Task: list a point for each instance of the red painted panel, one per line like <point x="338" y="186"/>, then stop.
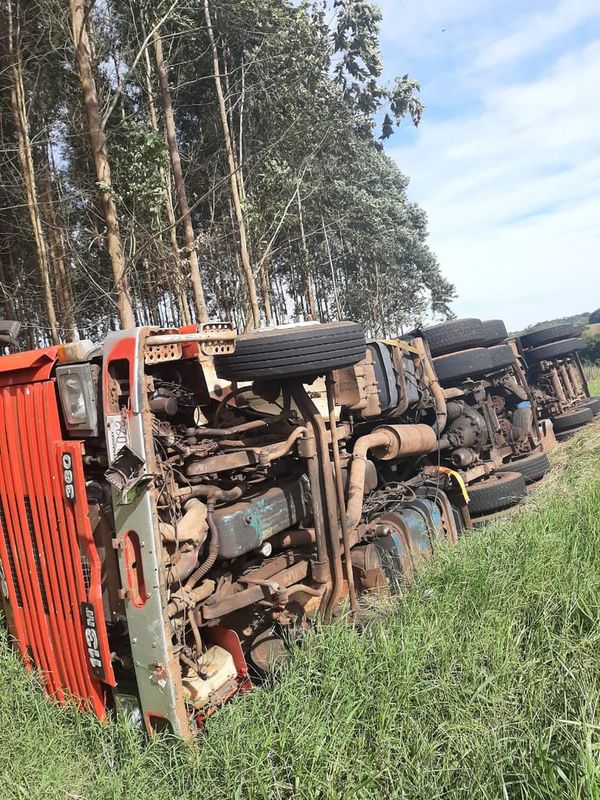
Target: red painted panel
<point x="49" y="559"/>
<point x="28" y="366"/>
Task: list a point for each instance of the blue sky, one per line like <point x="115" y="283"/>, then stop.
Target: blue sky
<point x="506" y="161"/>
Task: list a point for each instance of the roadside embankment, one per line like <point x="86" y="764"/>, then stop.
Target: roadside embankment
<point x="484" y="682"/>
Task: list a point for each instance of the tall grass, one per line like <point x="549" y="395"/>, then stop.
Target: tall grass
<point x="483" y="683"/>
<point x="592" y="374"/>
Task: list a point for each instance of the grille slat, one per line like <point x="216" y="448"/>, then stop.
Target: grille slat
<point x="36" y="554"/>
<point x="46" y="546"/>
<point x="10" y="557"/>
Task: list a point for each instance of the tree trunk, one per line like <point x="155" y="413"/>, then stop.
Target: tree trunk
<point x="19" y="111"/>
<point x="336" y="295"/>
<point x="308" y="280"/>
<point x="182" y="201"/>
<point x="101" y="163"/>
<point x="265" y="291"/>
<point x="8" y="298"/>
<point x="177" y="280"/>
<point x="57" y="253"/>
<point x="233" y="177"/>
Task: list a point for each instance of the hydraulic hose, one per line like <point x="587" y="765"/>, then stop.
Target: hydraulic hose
<point x="213" y="550"/>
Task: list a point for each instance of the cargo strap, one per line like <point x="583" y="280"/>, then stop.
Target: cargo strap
<point x="398" y="343"/>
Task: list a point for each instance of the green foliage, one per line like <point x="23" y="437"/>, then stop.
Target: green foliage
<point x="303" y="96"/>
<point x="594" y="317"/>
<point x="484" y="682"/>
<point x="359" y="67"/>
<point x="137" y="156"/>
<point x="592" y="348"/>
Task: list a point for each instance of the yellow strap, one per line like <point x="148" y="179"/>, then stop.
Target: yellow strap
<point x="458" y="479"/>
<point x="400" y="344"/>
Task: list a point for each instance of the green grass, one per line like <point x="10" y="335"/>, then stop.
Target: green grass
<point x="483" y="683"/>
<point x="592" y="373"/>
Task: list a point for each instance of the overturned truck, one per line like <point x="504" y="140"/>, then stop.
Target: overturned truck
<point x="178" y="504"/>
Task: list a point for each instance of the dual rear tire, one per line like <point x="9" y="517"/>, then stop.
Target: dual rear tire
<point x="496" y="492"/>
<point x="298" y="351"/>
<point x="464" y="334"/>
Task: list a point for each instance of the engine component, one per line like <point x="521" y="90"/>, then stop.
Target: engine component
<point x="212" y="680"/>
<point x="467" y="430"/>
<point x="355" y="388"/>
<point x="387" y="385"/>
<point x="163" y="403"/>
<point x="405" y="535"/>
<point x="463" y="457"/>
<point x="245" y="525"/>
<point x="192" y="526"/>
<point x="436" y="390"/>
<point x="387" y="442"/>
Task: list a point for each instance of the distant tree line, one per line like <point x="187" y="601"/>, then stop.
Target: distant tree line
<point x="170" y="161"/>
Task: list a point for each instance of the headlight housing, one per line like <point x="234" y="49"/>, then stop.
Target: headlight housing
<point x="77" y="387"/>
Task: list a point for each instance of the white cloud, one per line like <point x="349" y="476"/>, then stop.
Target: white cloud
<point x="409" y="22"/>
<point x="511" y="181"/>
<point x="538" y="30"/>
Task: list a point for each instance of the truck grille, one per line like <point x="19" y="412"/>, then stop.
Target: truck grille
<point x="50" y="565"/>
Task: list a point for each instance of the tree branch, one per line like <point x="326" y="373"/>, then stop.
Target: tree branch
<point x="140" y="53"/>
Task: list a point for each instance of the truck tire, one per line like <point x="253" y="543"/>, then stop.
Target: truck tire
<point x="554" y="350"/>
<point x="295" y="351"/>
<point x="532" y="467"/>
<point x="594" y="404"/>
<point x="497" y="491"/>
<point x="457" y="334"/>
<point x="502" y="356"/>
<point x="494" y="332"/>
<point x="572" y="419"/>
<point x="552" y="334"/>
<point x="466" y="364"/>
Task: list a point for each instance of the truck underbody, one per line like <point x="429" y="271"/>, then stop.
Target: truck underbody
<point x="178" y="506"/>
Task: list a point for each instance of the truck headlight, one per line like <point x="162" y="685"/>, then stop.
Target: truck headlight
<point x="77" y="387"/>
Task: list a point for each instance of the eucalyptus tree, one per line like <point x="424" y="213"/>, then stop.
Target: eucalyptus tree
<point x="247" y="176"/>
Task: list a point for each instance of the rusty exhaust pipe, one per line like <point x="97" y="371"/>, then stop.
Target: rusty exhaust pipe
<point x="324" y="473"/>
<point x="439" y="398"/>
<point x="385" y="443"/>
<point x="339" y="487"/>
